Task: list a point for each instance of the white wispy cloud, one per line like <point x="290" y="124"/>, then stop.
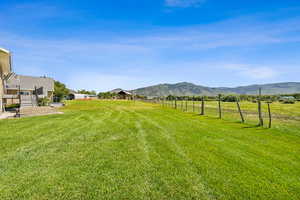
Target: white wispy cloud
<point x="183" y="3"/>
<point x="253" y="72"/>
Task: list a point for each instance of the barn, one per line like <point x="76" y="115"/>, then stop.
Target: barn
<point x="124" y="95"/>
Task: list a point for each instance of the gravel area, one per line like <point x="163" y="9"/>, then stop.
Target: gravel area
<point x="38" y="111"/>
<point x="6" y="115"/>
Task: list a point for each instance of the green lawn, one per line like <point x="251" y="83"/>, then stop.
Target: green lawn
<point x="134" y="150"/>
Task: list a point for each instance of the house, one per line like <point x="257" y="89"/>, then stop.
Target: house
<point x="5" y="70"/>
<point x="18" y="89"/>
<point x="28" y="87"/>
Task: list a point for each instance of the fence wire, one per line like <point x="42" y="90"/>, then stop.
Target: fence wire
<point x="280" y="113"/>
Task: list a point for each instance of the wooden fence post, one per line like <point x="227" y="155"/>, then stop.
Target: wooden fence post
<point x="181" y="105"/>
<point x="220" y="109"/>
<point x="270" y="115"/>
<point x="240" y="111"/>
<point x="193" y="104"/>
<point x="175" y="102"/>
<point x="186" y="105"/>
<point x="202" y="106"/>
<point x="261" y="121"/>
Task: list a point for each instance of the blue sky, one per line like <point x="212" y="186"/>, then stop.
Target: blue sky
<point x="106" y="44"/>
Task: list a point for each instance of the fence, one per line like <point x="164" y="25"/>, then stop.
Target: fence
<point x="255" y="113"/>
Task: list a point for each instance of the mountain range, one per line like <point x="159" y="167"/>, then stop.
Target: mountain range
<point x="190" y="89"/>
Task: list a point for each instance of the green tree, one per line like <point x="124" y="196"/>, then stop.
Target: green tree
<point x="60" y="91"/>
<point x="230" y="98"/>
<point x="107" y="95"/>
<point x="86" y="92"/>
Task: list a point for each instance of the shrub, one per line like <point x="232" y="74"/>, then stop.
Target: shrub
<point x="12" y="106"/>
<point x="287" y="100"/>
<point x="229" y="98"/>
<point x="43" y="101"/>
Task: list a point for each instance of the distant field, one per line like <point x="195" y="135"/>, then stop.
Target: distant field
<point x="135" y="150"/>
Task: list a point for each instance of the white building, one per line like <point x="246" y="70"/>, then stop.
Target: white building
<point x="76" y="96"/>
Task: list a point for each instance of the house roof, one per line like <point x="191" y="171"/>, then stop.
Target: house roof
<point x="30" y="82"/>
<point x="124" y="92"/>
<point x="5" y="62"/>
<point x="4" y="50"/>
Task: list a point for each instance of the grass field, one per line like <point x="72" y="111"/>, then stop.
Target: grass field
<point x="135" y="150"/>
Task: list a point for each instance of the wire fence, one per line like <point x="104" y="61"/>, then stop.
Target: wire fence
<point x="256" y="113"/>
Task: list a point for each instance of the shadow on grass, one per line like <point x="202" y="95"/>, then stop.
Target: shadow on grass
<point x="252" y="126"/>
<point x="245" y="125"/>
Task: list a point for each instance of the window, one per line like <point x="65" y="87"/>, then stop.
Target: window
<point x="24" y="93"/>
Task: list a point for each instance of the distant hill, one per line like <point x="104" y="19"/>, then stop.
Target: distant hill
<point x="190" y="89"/>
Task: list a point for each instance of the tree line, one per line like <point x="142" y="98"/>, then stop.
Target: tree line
<point x="61" y="92"/>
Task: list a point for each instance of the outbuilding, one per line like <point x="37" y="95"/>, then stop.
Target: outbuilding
<point x="77" y="96"/>
<point x="124" y="95"/>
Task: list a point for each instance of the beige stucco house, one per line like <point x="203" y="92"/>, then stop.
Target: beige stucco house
<point x="28" y="88"/>
<point x="5" y="70"/>
<point x="19" y="89"/>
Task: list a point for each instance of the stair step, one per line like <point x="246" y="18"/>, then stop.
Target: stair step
<point x="28" y="101"/>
